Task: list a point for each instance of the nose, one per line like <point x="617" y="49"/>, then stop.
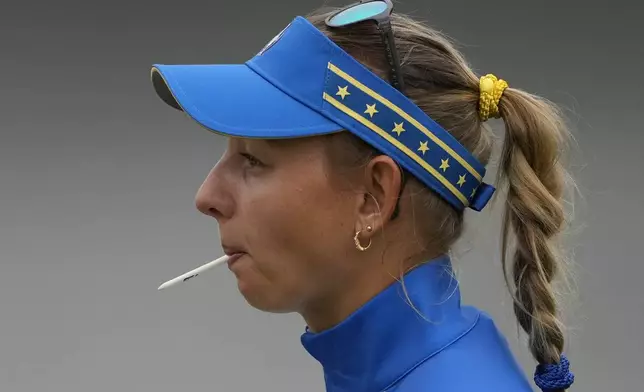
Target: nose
<point x="205" y="205"/>
<point x="211" y="198"/>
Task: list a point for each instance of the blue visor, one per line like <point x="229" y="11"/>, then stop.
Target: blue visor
<point x="302" y="84"/>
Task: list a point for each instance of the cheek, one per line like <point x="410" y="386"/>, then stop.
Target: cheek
<point x="305" y="222"/>
<point x="301" y="231"/>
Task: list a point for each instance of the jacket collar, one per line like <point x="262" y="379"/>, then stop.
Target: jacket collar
<point x="385" y="338"/>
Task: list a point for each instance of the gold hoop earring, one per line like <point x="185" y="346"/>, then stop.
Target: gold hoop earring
<point x="357" y="240"/>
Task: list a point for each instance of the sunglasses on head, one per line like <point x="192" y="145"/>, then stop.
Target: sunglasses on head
<point x="378" y="11"/>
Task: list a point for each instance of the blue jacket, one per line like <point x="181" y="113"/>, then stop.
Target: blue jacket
<point x="387" y="346"/>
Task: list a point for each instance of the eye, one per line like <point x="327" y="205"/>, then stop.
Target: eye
<point x="251" y="160"/>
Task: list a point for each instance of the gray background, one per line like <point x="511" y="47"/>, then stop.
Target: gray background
<point x="98" y="178"/>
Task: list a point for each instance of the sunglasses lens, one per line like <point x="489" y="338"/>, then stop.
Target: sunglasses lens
<point x="358" y="13"/>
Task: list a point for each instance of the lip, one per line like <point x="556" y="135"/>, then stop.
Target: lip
<point x="234" y="257"/>
<point x="233" y="252"/>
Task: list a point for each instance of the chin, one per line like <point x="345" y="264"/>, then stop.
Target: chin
<point x="264" y="301"/>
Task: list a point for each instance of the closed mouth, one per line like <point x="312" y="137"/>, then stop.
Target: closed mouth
<point x="231" y="250"/>
<point x="234" y="257"/>
<point x="233" y="253"/>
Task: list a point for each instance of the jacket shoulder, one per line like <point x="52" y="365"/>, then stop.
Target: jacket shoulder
<point x="479" y="361"/>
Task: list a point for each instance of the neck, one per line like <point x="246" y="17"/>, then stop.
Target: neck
<point x="395" y="330"/>
<point x="326" y="312"/>
<point x="333" y="308"/>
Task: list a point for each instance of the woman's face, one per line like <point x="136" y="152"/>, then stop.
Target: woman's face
<point x="276" y="203"/>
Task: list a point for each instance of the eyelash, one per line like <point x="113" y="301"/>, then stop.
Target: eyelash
<point x="251" y="160"/>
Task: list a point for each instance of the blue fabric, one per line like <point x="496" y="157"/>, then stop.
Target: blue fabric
<point x="302" y="84"/>
<point x="387" y="346"/>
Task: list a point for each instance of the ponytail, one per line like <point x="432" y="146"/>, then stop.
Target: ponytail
<point x="442" y="85"/>
<point x="534" y="212"/>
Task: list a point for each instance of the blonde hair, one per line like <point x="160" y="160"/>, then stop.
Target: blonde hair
<point x="440" y="81"/>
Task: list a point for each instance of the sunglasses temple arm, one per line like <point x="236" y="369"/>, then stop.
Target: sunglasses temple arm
<point x="392" y="55"/>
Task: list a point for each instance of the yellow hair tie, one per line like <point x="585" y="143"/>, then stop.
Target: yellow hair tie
<point x="491" y="90"/>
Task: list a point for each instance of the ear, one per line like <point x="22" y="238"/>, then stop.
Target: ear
<point x="382" y="184"/>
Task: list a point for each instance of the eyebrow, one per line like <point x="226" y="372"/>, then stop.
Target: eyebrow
<point x="277" y="143"/>
<point x="253" y="141"/>
<point x="269" y="144"/>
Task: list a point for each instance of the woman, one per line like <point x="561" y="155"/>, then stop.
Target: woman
<point x="344" y="185"/>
